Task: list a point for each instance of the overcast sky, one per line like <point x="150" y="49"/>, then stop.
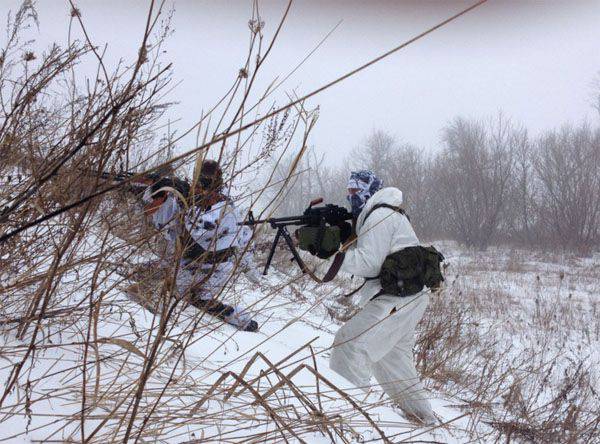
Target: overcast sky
<point x="535" y="60"/>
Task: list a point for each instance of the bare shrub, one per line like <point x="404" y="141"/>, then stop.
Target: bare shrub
<point x="567" y="163"/>
<point x="518" y="361"/>
<point x="64" y="276"/>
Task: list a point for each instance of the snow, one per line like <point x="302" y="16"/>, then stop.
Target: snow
<point x="294" y="320"/>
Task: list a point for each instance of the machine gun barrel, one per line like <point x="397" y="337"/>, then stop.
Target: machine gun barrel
<point x="124" y="175"/>
<point x="274" y="221"/>
<point x="136" y="186"/>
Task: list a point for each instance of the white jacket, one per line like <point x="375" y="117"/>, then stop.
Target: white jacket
<point x="385" y="231"/>
<point x="217" y="228"/>
<point x="166" y="220"/>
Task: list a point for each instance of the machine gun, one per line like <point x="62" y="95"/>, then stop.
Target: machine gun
<point x="139" y="185"/>
<point x="318" y="218"/>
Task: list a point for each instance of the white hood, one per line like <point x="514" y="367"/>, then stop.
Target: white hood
<point x="388" y="195"/>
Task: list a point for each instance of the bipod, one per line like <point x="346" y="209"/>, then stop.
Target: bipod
<point x="283" y="231"/>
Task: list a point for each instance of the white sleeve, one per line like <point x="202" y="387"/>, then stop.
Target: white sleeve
<point x="194" y="224"/>
<point x="227" y="230"/>
<point x="166" y="219"/>
<point x="373" y="244"/>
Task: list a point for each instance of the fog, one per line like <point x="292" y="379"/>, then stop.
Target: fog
<point x="535" y="61"/>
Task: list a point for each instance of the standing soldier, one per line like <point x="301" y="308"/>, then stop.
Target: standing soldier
<point x="378" y="341"/>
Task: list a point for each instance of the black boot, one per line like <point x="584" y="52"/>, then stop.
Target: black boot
<point x="226" y="313"/>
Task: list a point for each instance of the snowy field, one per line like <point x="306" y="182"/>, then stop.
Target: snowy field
<point x="509" y="351"/>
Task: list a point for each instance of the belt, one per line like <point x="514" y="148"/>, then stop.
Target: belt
<point x="199" y="257"/>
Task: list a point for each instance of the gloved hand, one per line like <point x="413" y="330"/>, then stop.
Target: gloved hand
<point x="345" y="231"/>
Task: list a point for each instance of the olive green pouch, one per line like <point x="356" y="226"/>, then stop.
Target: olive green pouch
<point x="408" y="271"/>
<point x="308" y="240"/>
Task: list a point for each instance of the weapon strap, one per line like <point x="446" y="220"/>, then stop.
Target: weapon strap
<point x="333" y="269"/>
<point x="331" y="273"/>
<point x="353" y="292"/>
<point x="384" y="205"/>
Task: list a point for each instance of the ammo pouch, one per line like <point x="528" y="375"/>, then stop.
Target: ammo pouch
<point x="322" y="242"/>
<point x="406" y="272"/>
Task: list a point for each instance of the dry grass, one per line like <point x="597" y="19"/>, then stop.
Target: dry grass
<point x="81" y="362"/>
<point x="516" y="349"/>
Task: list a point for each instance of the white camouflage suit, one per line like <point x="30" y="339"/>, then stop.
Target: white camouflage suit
<point x="378" y="341"/>
<point x="214" y="230"/>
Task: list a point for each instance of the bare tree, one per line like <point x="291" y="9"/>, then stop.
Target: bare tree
<point x="375" y="154"/>
<point x="399" y="165"/>
<point x="411" y="172"/>
<point x="473" y="175"/>
<point x="403" y="166"/>
<point x="567" y="163"/>
<point x="309" y="180"/>
<point x="522" y="218"/>
<point x="596" y="93"/>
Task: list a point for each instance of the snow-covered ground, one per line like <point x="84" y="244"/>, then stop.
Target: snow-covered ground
<point x="506" y="350"/>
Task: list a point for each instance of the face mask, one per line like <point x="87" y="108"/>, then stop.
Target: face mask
<point x="207" y="183"/>
<point x="356" y="203"/>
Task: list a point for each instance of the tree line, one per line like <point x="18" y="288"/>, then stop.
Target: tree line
<point x="491" y="183"/>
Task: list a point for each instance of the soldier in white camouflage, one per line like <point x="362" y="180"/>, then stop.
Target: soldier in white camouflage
<point x="206" y="225"/>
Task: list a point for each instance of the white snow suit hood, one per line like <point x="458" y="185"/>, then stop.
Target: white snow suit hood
<point x="385" y="231"/>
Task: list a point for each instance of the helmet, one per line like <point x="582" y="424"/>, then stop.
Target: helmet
<point x="211" y="176"/>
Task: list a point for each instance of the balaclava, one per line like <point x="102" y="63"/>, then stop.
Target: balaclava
<point x="211" y="176"/>
<point x="367" y="184"/>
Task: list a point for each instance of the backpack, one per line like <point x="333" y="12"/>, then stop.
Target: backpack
<point x="406" y="272"/>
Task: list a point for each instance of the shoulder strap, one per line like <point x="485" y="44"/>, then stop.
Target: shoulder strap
<point x="384" y="205"/>
<point x="391" y="207"/>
